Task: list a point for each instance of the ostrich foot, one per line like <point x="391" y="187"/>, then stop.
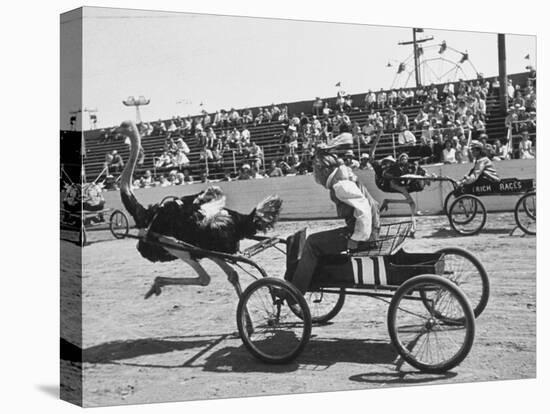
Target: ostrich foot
<point x="154" y="290"/>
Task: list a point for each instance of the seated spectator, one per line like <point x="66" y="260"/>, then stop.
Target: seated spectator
<point x="437" y="148"/>
<point x="348" y="103"/>
<point x="283" y="117"/>
<point x="526" y="147"/>
<point x="234" y="117"/>
<point x="206" y="155"/>
<point x="164" y="161"/>
<point x="420" y="119"/>
<point x="275" y="113"/>
<point x="108" y="160"/>
<point x="349" y="159"/>
<point x="172" y="177"/>
<point x="210" y="137"/>
<point x="171" y="127"/>
<point x="501" y="151"/>
<point x="326" y="111"/>
<point x="364" y="162"/>
<point x="381" y="99"/>
<point x="116" y="165"/>
<point x="402" y="120"/>
<point x="187" y="177"/>
<point x="163" y="182"/>
<point x="274" y="170"/>
<point x="317" y="107"/>
<point x="147" y="179"/>
<point x="448" y="155"/>
<point x="217" y="121"/>
<point x="392" y="97"/>
<point x="256" y="174"/>
<point x="245" y="173"/>
<point x="370" y="100"/>
<point x="478" y="127"/>
<point x="255" y="155"/>
<point x="247" y="116"/>
<point x="268" y="116"/>
<point x="259" y="117"/>
<point x="234" y="140"/>
<point x="180" y="159"/>
<point x="406" y="137"/>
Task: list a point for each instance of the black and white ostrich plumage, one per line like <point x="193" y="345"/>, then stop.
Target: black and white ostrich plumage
<point x="200" y="219"/>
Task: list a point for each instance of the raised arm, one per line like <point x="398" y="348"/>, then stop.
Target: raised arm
<point x="374" y="144"/>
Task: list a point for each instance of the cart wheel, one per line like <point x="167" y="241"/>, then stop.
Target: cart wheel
<point x="466" y="271"/>
<point x="433" y="338"/>
<point x="467" y="215"/>
<point x="525" y="213"/>
<point x="118" y="224"/>
<point x="447" y="202"/>
<point x="322" y="306"/>
<point x="270" y="330"/>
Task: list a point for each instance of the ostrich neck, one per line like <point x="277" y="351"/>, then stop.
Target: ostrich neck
<point x="128" y="172"/>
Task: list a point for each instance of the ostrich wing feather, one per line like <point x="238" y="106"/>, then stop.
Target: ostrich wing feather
<point x="267" y="213"/>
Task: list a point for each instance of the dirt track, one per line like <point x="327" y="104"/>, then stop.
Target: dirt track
<point x="183" y="345"/>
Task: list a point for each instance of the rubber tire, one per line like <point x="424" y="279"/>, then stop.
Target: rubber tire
<point x="319" y="320"/>
<point x="111" y="225"/>
<point x="469" y="314"/>
<point x="484" y="299"/>
<point x="516" y="213"/>
<point x="481" y="207"/>
<point x="446" y="202"/>
<point x="306" y="318"/>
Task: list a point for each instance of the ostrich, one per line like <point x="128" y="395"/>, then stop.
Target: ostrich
<point x="199" y="219"/>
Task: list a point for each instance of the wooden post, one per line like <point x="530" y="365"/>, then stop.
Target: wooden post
<point x="502" y="76"/>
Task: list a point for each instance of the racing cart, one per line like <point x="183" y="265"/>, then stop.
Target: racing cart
<point x="467" y="213"/>
<point x="76" y="221"/>
<point x="433" y="297"/>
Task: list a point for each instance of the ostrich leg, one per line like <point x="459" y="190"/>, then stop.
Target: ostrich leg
<point x="203" y="278"/>
<point x="233" y="278"/>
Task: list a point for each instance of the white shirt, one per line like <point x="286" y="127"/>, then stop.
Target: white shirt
<point x="348" y="192"/>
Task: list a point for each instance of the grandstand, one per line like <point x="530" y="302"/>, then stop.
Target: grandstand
<point x="266" y="135"/>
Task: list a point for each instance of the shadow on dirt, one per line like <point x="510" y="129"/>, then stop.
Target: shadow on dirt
<point x="446" y="233"/>
<point x="401" y="377"/>
<point x="118" y="351"/>
<point x="318" y="354"/>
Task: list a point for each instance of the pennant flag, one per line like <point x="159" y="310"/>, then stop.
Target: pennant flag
<point x="338" y="84"/>
<point x="527" y="57"/>
<point x="401" y="68"/>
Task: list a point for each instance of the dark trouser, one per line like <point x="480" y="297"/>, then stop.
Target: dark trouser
<point x="328" y="242"/>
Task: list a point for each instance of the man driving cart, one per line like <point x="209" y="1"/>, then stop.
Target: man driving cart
<point x="483" y="171"/>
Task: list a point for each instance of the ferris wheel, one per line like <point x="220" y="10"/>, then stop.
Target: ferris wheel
<point x="431" y="63"/>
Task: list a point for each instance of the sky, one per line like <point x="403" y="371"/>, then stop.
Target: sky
<point x="180" y="60"/>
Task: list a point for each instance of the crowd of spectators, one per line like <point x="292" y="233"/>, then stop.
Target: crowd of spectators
<point x="449" y="116"/>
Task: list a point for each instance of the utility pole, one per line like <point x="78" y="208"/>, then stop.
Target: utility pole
<point x="416" y="52"/>
<point x="131" y="101"/>
<point x="502" y="76"/>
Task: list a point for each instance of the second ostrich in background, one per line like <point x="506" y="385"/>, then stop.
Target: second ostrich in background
<point x="200" y="220"/>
